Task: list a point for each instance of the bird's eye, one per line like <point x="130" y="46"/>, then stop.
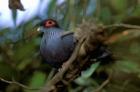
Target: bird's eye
<point x="49" y="24"/>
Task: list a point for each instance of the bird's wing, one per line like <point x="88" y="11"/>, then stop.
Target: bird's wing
<point x="64" y="34"/>
<point x="68" y="41"/>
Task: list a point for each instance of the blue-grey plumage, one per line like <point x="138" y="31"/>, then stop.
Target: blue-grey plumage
<point x="54" y="48"/>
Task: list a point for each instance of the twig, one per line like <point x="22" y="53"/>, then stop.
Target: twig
<point x="123" y="25"/>
<point x="58" y="77"/>
<point x="51" y="74"/>
<point x="104" y="83"/>
<point x="19" y="84"/>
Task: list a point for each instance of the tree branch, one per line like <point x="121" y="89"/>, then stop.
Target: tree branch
<point x="19" y="84"/>
<point x="123" y="25"/>
<point x="104" y="84"/>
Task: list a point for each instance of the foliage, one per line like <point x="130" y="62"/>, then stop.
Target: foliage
<point x="19" y="47"/>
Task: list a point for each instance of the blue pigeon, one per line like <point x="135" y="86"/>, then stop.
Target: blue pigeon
<point x="55" y="47"/>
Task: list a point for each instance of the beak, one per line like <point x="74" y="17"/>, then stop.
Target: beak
<point x="39" y="29"/>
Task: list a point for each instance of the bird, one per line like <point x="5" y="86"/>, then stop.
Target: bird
<point x="55" y="48"/>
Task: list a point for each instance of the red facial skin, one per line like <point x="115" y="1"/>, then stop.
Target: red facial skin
<point x="49" y="23"/>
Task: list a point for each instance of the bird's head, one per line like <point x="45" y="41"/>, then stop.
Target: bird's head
<point x="47" y="24"/>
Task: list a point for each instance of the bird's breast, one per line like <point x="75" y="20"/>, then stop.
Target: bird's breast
<point x="50" y="43"/>
<point x="56" y="49"/>
<point x="52" y="48"/>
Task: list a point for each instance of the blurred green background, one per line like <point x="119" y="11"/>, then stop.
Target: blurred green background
<point x="20" y="59"/>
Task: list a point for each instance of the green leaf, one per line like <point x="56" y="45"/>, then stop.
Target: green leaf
<point x="23" y="51"/>
<point x="37" y="81"/>
<point x="128" y="66"/>
<point x="137" y="11"/>
<point x="91" y="70"/>
<point x="52" y="7"/>
<point x="84" y="79"/>
<point x="7" y="72"/>
<point x="105" y="15"/>
<point x="14" y="16"/>
<point x="22" y="65"/>
<point x="119" y="5"/>
<point x="135" y="48"/>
